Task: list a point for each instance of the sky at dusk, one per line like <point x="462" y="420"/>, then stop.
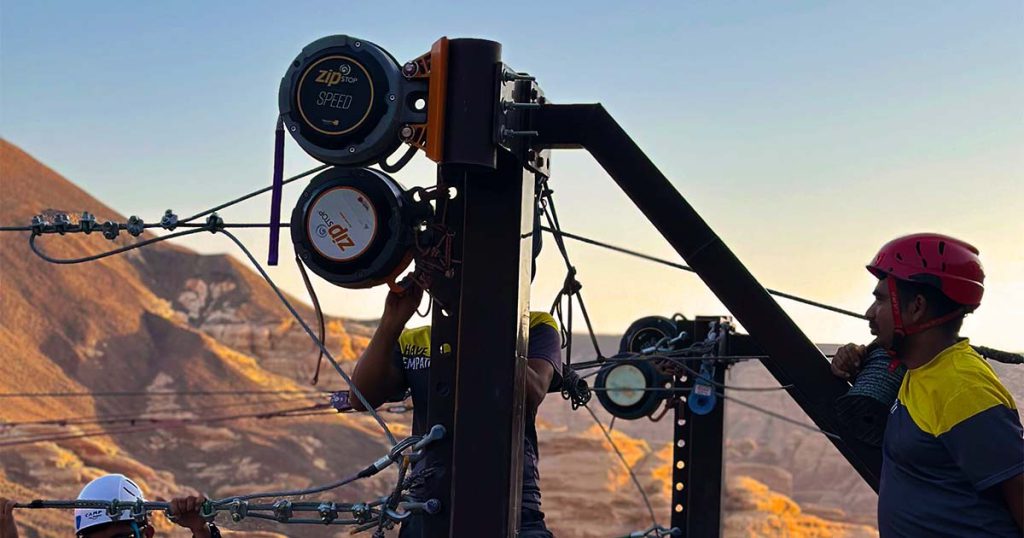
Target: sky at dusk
<point x="805" y="133"/>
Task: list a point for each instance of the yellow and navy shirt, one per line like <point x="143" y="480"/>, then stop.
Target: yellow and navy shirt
<point x="952" y="436"/>
<point x="412" y="357"/>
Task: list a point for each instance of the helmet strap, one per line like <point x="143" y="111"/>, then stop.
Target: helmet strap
<point x="900" y="331"/>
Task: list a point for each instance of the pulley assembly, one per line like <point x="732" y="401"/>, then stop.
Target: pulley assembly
<point x="633" y="388"/>
<point x="655" y="355"/>
<point x="355" y="227"/>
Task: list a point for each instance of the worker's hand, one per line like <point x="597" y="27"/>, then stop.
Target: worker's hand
<point x="185" y="513"/>
<point x="847" y="361"/>
<point x="7" y="527"/>
<point x="399" y="307"/>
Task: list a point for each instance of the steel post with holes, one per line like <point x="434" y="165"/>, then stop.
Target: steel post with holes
<point x="480" y="314"/>
<point x="698" y="453"/>
<point x="793" y="359"/>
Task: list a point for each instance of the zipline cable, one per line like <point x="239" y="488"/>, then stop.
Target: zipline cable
<point x="622" y="459"/>
<point x="352" y="388"/>
<point x="682" y="267"/>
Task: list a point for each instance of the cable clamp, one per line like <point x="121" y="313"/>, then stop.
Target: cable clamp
<point x="39" y="225"/>
<point x="169" y="221"/>
<point x="135" y="226"/>
<point x="328" y="512"/>
<point x="283" y="510"/>
<point x="87" y="222"/>
<point x="214" y="223"/>
<point x="61" y="223"/>
<point x="111" y="230"/>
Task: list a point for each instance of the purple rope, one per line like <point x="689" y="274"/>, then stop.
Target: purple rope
<point x="275" y="199"/>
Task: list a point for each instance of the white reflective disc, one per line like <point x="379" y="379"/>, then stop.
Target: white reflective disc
<point x="341" y="223"/>
<point x="625" y="384"/>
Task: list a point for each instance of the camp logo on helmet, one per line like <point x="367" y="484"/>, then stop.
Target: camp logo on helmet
<point x="347" y="223"/>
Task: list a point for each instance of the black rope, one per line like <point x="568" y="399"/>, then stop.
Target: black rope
<point x="622" y="459"/>
<point x="213" y="224"/>
<point x="171" y="424"/>
<point x="558" y="232"/>
<point x="779" y="416"/>
<point x="698" y="375"/>
<point x="337" y="367"/>
<point x="145" y="417"/>
<point x="140" y="244"/>
<point x="572" y="286"/>
<point x="319" y="316"/>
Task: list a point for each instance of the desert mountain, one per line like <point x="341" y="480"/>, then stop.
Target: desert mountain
<point x="156" y="319"/>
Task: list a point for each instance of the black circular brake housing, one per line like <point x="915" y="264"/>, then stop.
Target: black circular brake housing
<point x="341" y="98"/>
<point x="354" y="227"/>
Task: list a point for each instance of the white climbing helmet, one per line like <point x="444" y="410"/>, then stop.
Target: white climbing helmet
<point x="106" y="488"/>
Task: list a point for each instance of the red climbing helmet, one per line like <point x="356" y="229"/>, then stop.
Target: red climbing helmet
<point x="947" y="263"/>
<point x="943" y="262"/>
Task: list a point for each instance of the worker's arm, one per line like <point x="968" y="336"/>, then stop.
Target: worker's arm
<point x="543" y="367"/>
<point x="376" y="375"/>
<point x="1013" y="492"/>
<point x="539" y="373"/>
<point x="985" y="442"/>
<point x="7" y="527"/>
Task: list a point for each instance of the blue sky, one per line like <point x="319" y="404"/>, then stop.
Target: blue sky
<point x="806" y="133"/>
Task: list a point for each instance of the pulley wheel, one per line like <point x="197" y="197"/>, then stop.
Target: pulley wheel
<point x="630" y="389"/>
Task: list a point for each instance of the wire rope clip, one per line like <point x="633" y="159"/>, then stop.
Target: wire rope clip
<point x="214" y="222"/>
<point x="283" y="510"/>
<point x="208" y="511"/>
<point x="169" y="221"/>
<point x="87" y="222"/>
<point x="113" y="510"/>
<point x="38" y="225"/>
<point x="61" y="223"/>
<point x="238" y="510"/>
<point x="328" y="512"/>
<point x="111" y="230"/>
<point x="362" y="512"/>
<point x="135" y="226"/>
<point x="138" y="512"/>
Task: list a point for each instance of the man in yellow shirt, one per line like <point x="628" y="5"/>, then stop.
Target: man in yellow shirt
<point x="953" y="450"/>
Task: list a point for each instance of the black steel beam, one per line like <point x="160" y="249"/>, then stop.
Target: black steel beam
<point x="794" y="360"/>
<point x="480" y="320"/>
